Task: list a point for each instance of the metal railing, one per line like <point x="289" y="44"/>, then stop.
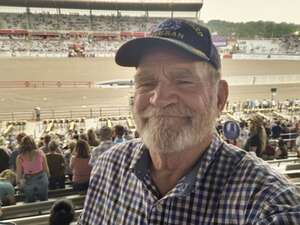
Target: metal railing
<point x="46" y="84"/>
<point x="37" y="208"/>
<point x="37" y="220"/>
<point x="79" y="112"/>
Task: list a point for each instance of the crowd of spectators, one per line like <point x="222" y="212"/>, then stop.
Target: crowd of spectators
<point x="291" y="43"/>
<point x="33" y="167"/>
<point x="36" y="166"/>
<point x="63" y="25"/>
<point x="11" y="45"/>
<point x="284" y="45"/>
<point x="63" y="47"/>
<point x="54" y="161"/>
<point x="75" y="22"/>
<point x="267" y="138"/>
<point x="280" y="106"/>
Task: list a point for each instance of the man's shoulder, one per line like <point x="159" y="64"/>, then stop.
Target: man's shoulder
<point x="271" y="193"/>
<point x="247" y="167"/>
<point x="240" y="159"/>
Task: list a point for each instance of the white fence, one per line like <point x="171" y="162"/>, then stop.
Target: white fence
<point x="263" y="79"/>
<point x="266" y="56"/>
<point x="112" y="111"/>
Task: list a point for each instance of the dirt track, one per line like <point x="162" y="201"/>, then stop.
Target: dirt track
<point x="99" y="69"/>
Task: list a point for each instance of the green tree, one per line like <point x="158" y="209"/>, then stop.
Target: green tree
<point x="260" y="29"/>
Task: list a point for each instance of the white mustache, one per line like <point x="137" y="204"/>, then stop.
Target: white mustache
<point x="173" y="111"/>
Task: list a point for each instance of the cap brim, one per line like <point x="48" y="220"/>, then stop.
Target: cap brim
<point x="130" y="53"/>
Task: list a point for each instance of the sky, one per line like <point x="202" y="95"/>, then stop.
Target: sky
<point x="239" y="10"/>
<point x="251" y="10"/>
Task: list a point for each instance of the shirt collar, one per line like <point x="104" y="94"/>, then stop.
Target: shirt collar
<point x="140" y="162"/>
<point x="140" y="165"/>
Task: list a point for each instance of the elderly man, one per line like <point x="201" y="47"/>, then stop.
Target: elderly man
<point x="180" y="172"/>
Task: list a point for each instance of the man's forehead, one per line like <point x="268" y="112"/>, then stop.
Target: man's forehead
<point x="167" y="66"/>
<point x="166" y="55"/>
<point x="174" y="70"/>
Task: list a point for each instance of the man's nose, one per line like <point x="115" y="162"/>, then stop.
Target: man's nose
<point x="163" y="95"/>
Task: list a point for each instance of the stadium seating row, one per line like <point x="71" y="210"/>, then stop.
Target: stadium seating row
<point x="37" y="208"/>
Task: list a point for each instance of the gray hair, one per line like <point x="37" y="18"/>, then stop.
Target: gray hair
<point x="105" y="133"/>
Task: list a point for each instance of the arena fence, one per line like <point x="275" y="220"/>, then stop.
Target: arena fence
<point x="46" y="84"/>
<point x="37" y="208"/>
<point x="108" y="111"/>
<point x="36" y="220"/>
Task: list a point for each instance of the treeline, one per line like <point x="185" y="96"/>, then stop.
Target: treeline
<point x="260" y="29"/>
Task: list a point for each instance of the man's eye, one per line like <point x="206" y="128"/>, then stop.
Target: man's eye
<point x="184" y="82"/>
<point x="145" y="85"/>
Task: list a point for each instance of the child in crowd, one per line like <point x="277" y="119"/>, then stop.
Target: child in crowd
<point x="62" y="213"/>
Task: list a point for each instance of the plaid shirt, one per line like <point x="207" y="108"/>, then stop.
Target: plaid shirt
<point x="226" y="186"/>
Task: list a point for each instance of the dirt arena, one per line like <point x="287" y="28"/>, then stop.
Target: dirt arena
<point x="100" y="69"/>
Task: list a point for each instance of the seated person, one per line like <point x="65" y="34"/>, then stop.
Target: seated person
<point x="56" y="164"/>
<point x="4" y="159"/>
<point x="119" y="132"/>
<point x="282" y="150"/>
<point x="7" y="190"/>
<point x="67" y="157"/>
<point x="80" y="166"/>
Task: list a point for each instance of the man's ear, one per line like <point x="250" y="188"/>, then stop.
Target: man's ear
<point x="222" y="94"/>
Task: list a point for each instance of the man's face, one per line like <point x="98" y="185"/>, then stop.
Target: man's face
<point x="175" y="102"/>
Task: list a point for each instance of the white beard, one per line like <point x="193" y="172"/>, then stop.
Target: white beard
<point x="175" y="128"/>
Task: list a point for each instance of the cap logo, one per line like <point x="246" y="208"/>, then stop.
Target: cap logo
<point x="168" y="33"/>
<point x="169" y="29"/>
<point x="169" y="25"/>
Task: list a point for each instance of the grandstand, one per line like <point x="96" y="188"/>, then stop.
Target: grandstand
<point x="131" y="5"/>
<point x="79" y="28"/>
<point x="98" y="28"/>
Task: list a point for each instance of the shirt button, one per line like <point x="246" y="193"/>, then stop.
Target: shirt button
<point x="159" y="207"/>
<point x="182" y="187"/>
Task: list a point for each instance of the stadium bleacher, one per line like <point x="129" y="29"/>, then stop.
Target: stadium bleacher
<point x="52" y="35"/>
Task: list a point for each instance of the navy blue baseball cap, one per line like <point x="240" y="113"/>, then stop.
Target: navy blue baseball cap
<point x="187" y="36"/>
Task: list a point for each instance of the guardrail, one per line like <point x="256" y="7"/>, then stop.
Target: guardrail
<point x="279" y="161"/>
<point x="37" y="208"/>
<point x="292" y="173"/>
<point x="46" y="84"/>
<point x="93" y="112"/>
<point x="63" y="192"/>
<point x="37" y="220"/>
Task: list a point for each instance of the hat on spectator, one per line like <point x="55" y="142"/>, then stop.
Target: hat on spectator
<point x="185" y="35"/>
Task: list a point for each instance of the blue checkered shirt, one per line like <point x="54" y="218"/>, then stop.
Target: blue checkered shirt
<point x="226" y="186"/>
